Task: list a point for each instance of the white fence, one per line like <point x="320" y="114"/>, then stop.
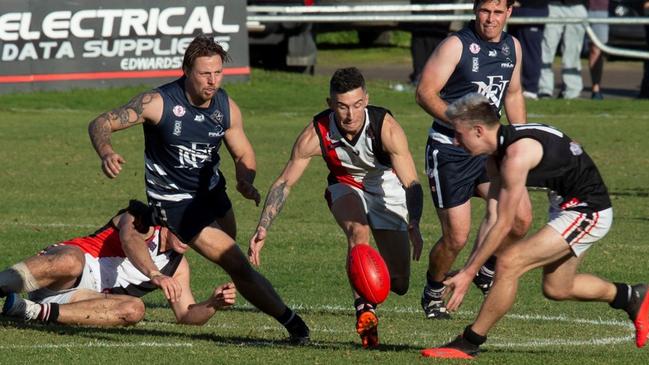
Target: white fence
<point x="258" y="15"/>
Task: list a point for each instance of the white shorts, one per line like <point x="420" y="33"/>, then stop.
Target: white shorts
<point x="383" y="212"/>
<point x="87" y="281"/>
<point x="581" y="230"/>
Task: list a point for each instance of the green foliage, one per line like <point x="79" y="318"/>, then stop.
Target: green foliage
<point x="53" y="189"/>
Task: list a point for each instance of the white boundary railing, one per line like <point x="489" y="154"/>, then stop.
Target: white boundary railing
<point x="403" y="14"/>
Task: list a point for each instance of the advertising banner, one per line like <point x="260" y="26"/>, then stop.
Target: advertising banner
<point x="47" y="45"/>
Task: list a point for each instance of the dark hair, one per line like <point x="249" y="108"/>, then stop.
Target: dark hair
<point x="202" y="46"/>
<point x="477" y="3"/>
<point x="346" y="79"/>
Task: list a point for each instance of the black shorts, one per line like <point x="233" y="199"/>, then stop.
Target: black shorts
<point x="187" y="218"/>
<point x="453" y="173"/>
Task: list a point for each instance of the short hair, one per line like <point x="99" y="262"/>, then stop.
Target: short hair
<point x="472" y="109"/>
<point x="477" y="3"/>
<point x="346" y="79"/>
<point x="203" y="46"/>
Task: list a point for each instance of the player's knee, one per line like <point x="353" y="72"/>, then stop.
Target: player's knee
<point x="235" y="263"/>
<point x="131" y="311"/>
<point x="454" y="241"/>
<point x="509" y="264"/>
<point x="557" y="293"/>
<point x="399" y="285"/>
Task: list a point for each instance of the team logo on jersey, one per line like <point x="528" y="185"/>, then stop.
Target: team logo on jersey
<point x="474" y="48"/>
<point x="179" y="111"/>
<point x="475" y="65"/>
<point x="194" y="156"/>
<point x="493" y="90"/>
<point x="506" y="65"/>
<point x="575" y="148"/>
<point x="217" y="116"/>
<point x="218" y="131"/>
<point x="505" y="50"/>
<point x="199" y="118"/>
<point x="493" y="53"/>
<point x="178" y="127"/>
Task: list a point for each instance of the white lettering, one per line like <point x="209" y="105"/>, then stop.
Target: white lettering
<point x="75" y="23"/>
<point x="133" y="18"/>
<point x="65" y="50"/>
<point x="56" y="24"/>
<point x="109" y="19"/>
<point x="9" y="26"/>
<point x="154" y="14"/>
<point x="9" y="52"/>
<point x="163" y="21"/>
<point x="28" y="51"/>
<point x="198" y="19"/>
<point x="218" y="25"/>
<point x="47" y="49"/>
<point x="25" y="33"/>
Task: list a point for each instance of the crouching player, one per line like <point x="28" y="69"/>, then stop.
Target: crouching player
<point x="373" y="186"/>
<point x="95" y="280"/>
<point x="540" y="156"/>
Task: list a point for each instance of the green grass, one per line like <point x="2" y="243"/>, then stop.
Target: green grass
<point x="53" y="189"/>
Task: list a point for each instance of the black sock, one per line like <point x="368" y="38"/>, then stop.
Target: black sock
<point x="362" y="305"/>
<point x="472" y="337"/>
<point x="293" y="323"/>
<point x="435" y="285"/>
<point x="490" y="264"/>
<point x="49" y="313"/>
<point x="622" y="296"/>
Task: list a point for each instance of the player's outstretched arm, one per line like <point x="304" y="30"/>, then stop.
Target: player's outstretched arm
<point x="187" y="311"/>
<point x="435" y="75"/>
<point x="305" y="147"/>
<point x="240" y="148"/>
<point x="137" y="251"/>
<point x="395" y="144"/>
<point x="143" y="107"/>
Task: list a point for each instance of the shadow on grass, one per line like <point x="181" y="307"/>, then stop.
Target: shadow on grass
<point x="635" y="192"/>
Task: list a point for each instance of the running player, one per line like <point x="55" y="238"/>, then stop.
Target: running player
<point x="479" y="58"/>
<point x="92" y="280"/>
<point x="372" y="184"/>
<point x="539" y="156"/>
<point x="185" y="122"/>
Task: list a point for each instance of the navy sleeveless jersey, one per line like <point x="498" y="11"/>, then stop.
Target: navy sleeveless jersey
<point x="566" y="169"/>
<point x="181" y="152"/>
<point x="484" y="67"/>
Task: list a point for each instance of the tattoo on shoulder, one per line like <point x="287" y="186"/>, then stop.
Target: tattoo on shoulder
<point x="136" y="104"/>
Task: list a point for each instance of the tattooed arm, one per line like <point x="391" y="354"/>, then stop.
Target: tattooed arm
<point x="306" y="146"/>
<point x="145" y="107"/>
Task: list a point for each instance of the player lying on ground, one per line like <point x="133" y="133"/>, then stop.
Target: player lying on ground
<point x="92" y="281"/>
<point x="373" y="186"/>
<point x="540" y="156"/>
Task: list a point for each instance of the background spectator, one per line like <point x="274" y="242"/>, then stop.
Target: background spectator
<point x="597" y="9"/>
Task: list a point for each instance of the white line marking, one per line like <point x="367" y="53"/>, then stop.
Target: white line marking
<point x="559" y="342"/>
<point x="96" y="344"/>
<point x="49" y="225"/>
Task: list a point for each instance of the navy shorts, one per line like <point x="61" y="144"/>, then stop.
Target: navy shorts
<point x="187" y="218"/>
<point x="453" y="173"/>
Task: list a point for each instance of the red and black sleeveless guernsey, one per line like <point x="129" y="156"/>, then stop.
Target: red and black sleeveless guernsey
<point x="361" y="162"/>
<point x="565" y="169"/>
<point x="181" y="152"/>
<point x="113" y="271"/>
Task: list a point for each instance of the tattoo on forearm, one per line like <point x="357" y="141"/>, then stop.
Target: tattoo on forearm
<point x="414" y="201"/>
<point x="99" y="131"/>
<point x="274" y="203"/>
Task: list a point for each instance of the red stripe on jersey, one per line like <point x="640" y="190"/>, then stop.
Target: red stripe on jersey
<point x="105" y="243"/>
<point x="331" y="157"/>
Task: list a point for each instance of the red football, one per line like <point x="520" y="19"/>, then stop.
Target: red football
<point x="368" y="273"/>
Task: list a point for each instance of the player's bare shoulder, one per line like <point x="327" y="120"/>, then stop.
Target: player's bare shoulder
<point x="307" y="143"/>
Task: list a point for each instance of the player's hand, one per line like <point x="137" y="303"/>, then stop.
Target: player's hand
<point x="224" y="296"/>
<point x="169" y="286"/>
<point x="248" y="191"/>
<point x="416" y="240"/>
<point x="111" y="164"/>
<point x="459" y="284"/>
<point x="256" y="243"/>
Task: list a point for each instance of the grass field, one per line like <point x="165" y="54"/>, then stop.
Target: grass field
<point x="53" y="189"/>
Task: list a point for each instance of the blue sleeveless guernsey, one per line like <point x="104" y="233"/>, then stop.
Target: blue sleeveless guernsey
<point x="181" y="152"/>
